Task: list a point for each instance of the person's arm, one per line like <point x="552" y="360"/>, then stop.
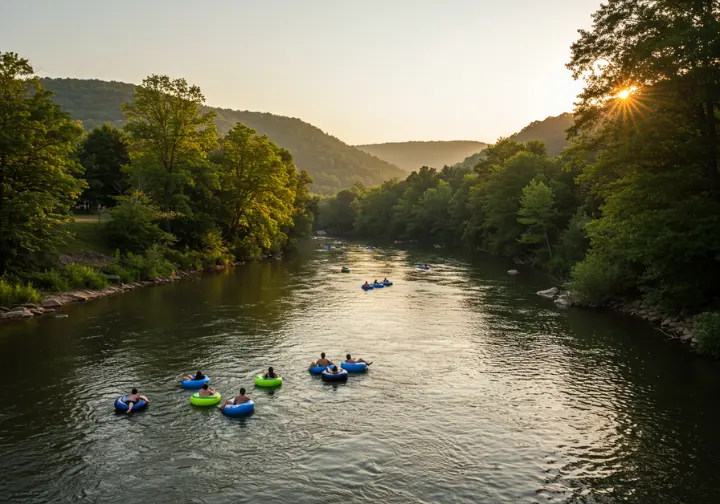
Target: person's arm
<point x="144" y="399"/>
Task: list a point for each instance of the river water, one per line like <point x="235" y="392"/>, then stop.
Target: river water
<point x="480" y="392"/>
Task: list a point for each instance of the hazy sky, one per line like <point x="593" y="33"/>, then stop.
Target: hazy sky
<point x="365" y="70"/>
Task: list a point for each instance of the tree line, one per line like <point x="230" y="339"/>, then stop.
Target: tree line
<point x="178" y="195"/>
<point x="632" y="206"/>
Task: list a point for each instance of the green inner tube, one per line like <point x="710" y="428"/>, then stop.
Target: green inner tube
<point x="268" y="382"/>
<point x="197" y="400"/>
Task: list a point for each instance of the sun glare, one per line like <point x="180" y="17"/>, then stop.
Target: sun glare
<point x="625" y="93"/>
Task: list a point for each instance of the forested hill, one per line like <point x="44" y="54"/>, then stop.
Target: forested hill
<point x="551" y="131"/>
<point x="413" y="155"/>
<point x="332" y="163"/>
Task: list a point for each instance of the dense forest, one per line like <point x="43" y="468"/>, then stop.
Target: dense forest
<point x="410" y="155"/>
<point x="632" y="206"/>
<point x="179" y="194"/>
<point x="331" y="163"/>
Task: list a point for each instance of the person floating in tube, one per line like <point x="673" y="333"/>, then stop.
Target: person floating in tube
<point x="134" y="398"/>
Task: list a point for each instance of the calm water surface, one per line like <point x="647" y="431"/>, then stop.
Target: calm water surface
<point x="480" y="392"/>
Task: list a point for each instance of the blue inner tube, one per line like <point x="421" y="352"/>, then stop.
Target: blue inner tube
<point x="379" y="285"/>
<point x="195" y="383"/>
<point x="316" y="370"/>
<point x="239" y="409"/>
<point x="366" y="287"/>
<point x="334" y="377"/>
<point x="354" y="367"/>
<point x="387" y="284"/>
<point x="121" y="404"/>
<point x="420" y="266"/>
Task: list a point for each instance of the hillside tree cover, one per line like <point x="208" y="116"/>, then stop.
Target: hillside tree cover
<point x="331" y="163"/>
<point x="181" y="196"/>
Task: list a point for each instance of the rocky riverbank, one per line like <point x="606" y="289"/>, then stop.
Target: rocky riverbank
<point x="51" y="304"/>
<point x="672" y="326"/>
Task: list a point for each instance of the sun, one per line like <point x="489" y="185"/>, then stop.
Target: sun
<point x="625" y="93"/>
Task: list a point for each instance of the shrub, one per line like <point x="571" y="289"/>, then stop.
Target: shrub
<point x="13" y="294"/>
<point x="80" y="276"/>
<point x="597" y="279"/>
<point x="51" y="280"/>
<point x="707" y="333"/>
<point x="133" y="224"/>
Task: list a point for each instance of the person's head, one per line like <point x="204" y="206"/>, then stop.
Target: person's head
<point x="333" y="367"/>
<point x="271" y="370"/>
<point x="242" y="391"/>
<point x="348" y="357"/>
<point x="205" y="386"/>
<point x="322" y="354"/>
<point x="134" y="391"/>
<point x="198" y="374"/>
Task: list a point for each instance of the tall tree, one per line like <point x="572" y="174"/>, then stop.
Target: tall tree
<point x="169" y="137"/>
<point x="103" y="154"/>
<point x="664" y="51"/>
<point x="537" y="211"/>
<point x="257" y="190"/>
<point x="38" y="183"/>
<point x="647" y="125"/>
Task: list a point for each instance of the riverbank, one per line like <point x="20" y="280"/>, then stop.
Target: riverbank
<point x="51" y="304"/>
<point x="672" y="326"/>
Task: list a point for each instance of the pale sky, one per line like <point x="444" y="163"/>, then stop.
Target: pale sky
<point x="365" y="71"/>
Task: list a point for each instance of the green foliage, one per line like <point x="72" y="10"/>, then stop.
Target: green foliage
<point x="537" y="211"/>
<point x="133" y="224"/>
<point x="72" y="276"/>
<point x="15" y="293"/>
<point x="150" y="265"/>
<point x="598" y="279"/>
<point x="37" y="167"/>
<point x="707" y="333"/>
<point x="103" y="154"/>
<point x="507" y="204"/>
<point x="572" y="243"/>
<point x="651" y="160"/>
<point x="81" y="276"/>
<point x="257" y="191"/>
<point x="331" y="163"/>
<point x="166" y="147"/>
<point x="51" y="281"/>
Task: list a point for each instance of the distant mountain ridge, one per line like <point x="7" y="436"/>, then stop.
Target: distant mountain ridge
<point x="550" y="131"/>
<point x="413" y="155"/>
<point x="333" y="164"/>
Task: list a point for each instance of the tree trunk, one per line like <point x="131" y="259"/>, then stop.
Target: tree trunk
<point x="547" y="242"/>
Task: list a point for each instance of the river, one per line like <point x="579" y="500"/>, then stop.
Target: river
<point x="480" y="392"/>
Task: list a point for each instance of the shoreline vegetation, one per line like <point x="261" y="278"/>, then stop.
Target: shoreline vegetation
<point x="171" y="194"/>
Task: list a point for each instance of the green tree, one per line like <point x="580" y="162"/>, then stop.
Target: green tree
<point x="663" y="50"/>
<point x="537" y="211"/>
<point x="133" y="224"/>
<point x="103" y="154"/>
<point x="258" y="183"/>
<point x="38" y="183"/>
<point x="169" y="137"/>
<point x="647" y="129"/>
